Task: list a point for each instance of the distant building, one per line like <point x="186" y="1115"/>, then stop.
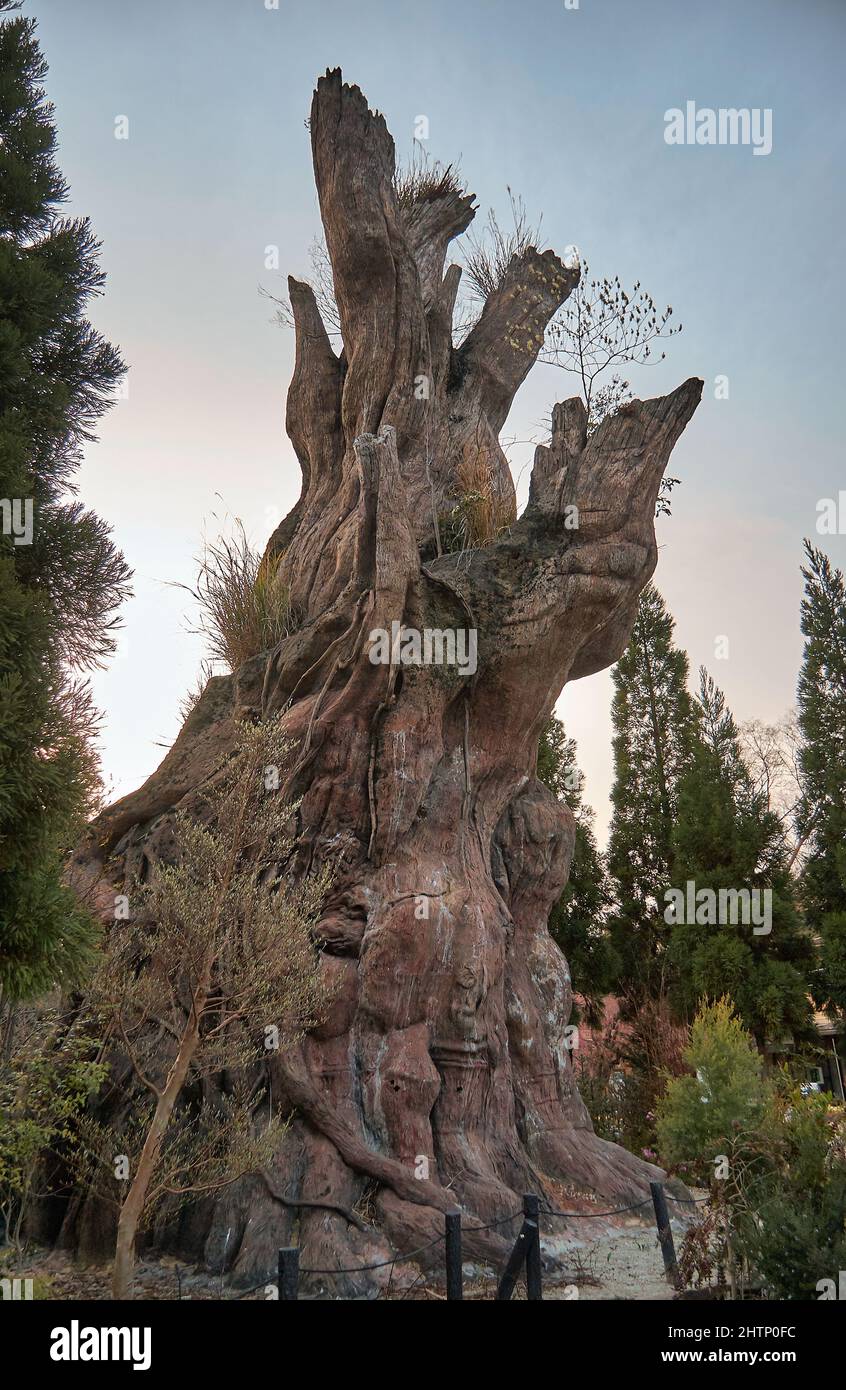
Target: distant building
<point x="831" y="1067"/>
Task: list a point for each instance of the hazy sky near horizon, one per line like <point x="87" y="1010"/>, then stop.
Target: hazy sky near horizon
<point x="567" y="107"/>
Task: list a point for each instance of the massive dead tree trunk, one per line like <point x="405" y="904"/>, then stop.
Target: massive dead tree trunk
<point x="446" y="1041"/>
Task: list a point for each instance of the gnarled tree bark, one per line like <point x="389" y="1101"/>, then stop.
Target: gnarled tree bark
<point x="446" y="1039"/>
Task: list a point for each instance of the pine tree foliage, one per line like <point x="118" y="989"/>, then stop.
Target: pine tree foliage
<point x="822" y="812"/>
<point x="726" y="840"/>
<point x="60" y="585"/>
<point x="654" y="731"/>
<point x="721" y="1092"/>
<point x="578" y="920"/>
<point x="689" y="816"/>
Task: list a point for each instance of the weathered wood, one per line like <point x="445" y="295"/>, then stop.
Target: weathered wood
<point x="442" y="1075"/>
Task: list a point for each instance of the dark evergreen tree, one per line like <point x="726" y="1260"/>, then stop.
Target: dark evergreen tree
<point x="578" y="921"/>
<point x="654" y="734"/>
<point x="726" y="842"/>
<point x="61" y="577"/>
<point x="822" y="813"/>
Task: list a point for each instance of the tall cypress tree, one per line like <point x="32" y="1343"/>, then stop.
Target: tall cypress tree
<point x="654" y="732"/>
<point x="726" y="839"/>
<point x="61" y="577"/>
<point x="822" y="720"/>
<point x="577" y="922"/>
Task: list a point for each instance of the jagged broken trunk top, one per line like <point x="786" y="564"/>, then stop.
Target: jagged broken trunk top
<point x="445" y="1049"/>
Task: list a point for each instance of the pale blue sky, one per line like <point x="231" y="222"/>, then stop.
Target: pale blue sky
<point x="566" y="106"/>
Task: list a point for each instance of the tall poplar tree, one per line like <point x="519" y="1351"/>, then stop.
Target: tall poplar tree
<point x="822" y="813"/>
<point x="61" y="577"/>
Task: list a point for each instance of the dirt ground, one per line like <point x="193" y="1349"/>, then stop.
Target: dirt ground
<point x="617" y="1263"/>
<point x="624" y="1264"/>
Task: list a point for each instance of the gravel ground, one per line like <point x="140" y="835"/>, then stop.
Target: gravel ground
<point x="620" y="1262"/>
<point x="623" y="1264"/>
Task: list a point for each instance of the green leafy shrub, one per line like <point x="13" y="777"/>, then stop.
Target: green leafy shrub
<point x="794" y="1232"/>
<point x="43" y="1090"/>
<point x="779" y="1201"/>
<point x="722" y="1094"/>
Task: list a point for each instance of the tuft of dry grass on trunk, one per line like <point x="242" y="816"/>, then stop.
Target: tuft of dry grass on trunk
<point x="488" y="256"/>
<point x="244" y="605"/>
<point x="425" y="179"/>
<point x="480" y="515"/>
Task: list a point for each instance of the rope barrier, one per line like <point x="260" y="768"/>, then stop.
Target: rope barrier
<point x="579" y="1215"/>
<point x="489" y="1226"/>
<point x="503" y="1221"/>
<point x="381" y="1264"/>
<point x="400" y="1259"/>
<point x="587" y="1215"/>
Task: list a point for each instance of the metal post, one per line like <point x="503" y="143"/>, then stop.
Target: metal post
<point x="289" y="1273"/>
<point x="665" y="1234"/>
<point x="531" y="1211"/>
<point x="453" y="1255"/>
